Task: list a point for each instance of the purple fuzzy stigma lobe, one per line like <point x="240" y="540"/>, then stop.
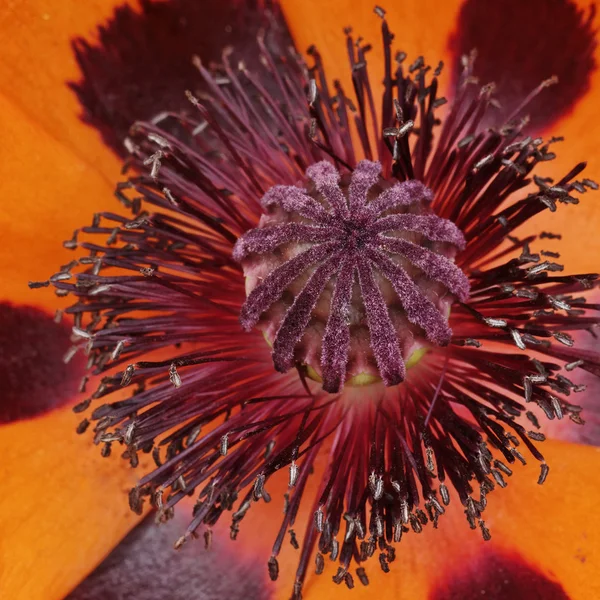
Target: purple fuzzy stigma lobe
<point x="350" y="274"/>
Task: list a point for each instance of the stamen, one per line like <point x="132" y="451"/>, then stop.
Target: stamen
<point x="356" y="272"/>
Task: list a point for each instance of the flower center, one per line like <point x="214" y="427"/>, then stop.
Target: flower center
<point x="350" y="275"/>
<point x="356" y="235"/>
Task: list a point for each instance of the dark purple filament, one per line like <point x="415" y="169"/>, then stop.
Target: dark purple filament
<point x="157" y="295"/>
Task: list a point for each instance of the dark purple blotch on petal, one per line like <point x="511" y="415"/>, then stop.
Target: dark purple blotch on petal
<point x="145" y="566"/>
<point x="140" y="62"/>
<point x="34" y="377"/>
<point x="520" y="44"/>
<point x="496" y="576"/>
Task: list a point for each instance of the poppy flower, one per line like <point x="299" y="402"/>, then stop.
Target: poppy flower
<point x="404" y="325"/>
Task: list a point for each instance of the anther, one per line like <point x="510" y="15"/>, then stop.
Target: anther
<point x="259" y="486"/>
<point x="376" y="485"/>
<point x="319" y="563"/>
<point x="224" y="445"/>
<point x="362" y="576"/>
<point x="485" y="532"/>
<point x="545" y="469"/>
<point x="174" y="375"/>
<point x="294" y="472"/>
<point x="319" y="519"/>
<point x="273" y="568"/>
<point x="127" y="375"/>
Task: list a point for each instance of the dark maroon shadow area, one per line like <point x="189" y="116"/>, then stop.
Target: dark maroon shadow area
<point x="33" y="375"/>
<point x="141" y="62"/>
<point x="144" y="566"/>
<point x="497" y="576"/>
<point x="520" y="43"/>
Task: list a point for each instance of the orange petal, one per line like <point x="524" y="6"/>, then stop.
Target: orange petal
<point x="37" y="62"/>
<point x="580" y="245"/>
<point x="578" y="225"/>
<point x="55" y="170"/>
<point x="47" y="191"/>
<point x="425" y="28"/>
<point x="553" y="529"/>
<point x="420" y="27"/>
<point x="62" y="508"/>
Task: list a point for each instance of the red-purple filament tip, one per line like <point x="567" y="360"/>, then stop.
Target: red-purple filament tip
<point x="346" y="254"/>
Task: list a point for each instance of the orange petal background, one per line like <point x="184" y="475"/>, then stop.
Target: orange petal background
<point x="62" y="507"/>
<point x="55" y="171"/>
